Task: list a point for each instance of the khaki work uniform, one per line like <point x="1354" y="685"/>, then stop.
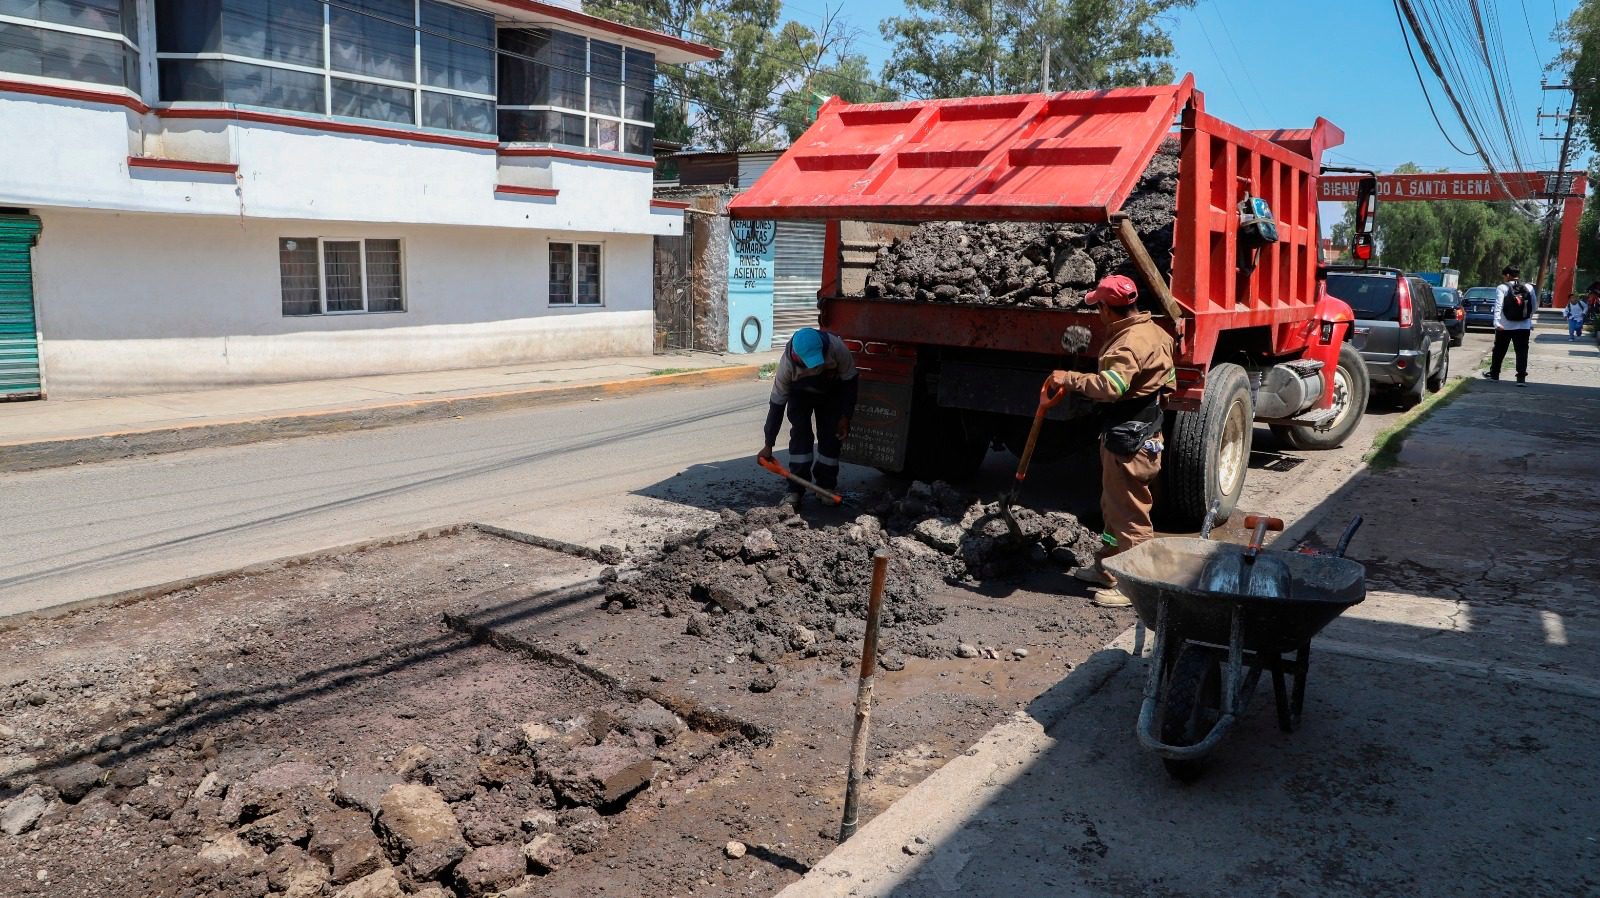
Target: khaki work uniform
<point x="1135" y="367"/>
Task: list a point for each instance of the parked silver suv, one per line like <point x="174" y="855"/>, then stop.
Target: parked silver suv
<point x="1398" y="331"/>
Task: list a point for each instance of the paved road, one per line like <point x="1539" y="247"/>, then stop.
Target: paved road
<point x="573" y="471"/>
<point x="75" y="533"/>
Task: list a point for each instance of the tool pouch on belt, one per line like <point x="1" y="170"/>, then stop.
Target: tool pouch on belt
<point x="1128" y="424"/>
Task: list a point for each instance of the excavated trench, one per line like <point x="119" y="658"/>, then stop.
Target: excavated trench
<point x="468" y="716"/>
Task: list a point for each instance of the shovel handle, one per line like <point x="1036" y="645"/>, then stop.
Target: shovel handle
<point x="1033" y="440"/>
<point x="777" y="468"/>
<point x="1260" y="524"/>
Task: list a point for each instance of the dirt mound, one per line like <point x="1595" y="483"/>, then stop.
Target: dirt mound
<point x="1028" y="263"/>
<point x="769" y="580"/>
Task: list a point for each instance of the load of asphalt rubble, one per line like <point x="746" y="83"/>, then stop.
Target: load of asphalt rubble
<point x="1040" y="265"/>
<point x="768" y="579"/>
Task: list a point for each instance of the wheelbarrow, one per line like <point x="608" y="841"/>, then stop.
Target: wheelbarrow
<point x="1213" y="644"/>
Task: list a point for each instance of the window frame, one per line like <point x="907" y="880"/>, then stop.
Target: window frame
<point x="621" y="119"/>
<point x="138" y="69"/>
<point x="600" y="286"/>
<point x="366" y="287"/>
<point x="418" y="87"/>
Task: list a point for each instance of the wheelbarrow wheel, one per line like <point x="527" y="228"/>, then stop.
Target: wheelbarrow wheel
<point x="1192" y="706"/>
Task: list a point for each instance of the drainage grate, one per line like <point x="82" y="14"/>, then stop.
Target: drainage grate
<point x="1282" y="463"/>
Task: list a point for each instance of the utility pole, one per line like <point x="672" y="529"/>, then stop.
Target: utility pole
<point x="1044" y="77"/>
<point x="1558" y="195"/>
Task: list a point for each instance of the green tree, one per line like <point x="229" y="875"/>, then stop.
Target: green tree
<point x="954" y="48"/>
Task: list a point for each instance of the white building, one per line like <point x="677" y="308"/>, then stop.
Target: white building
<point x="237" y="191"/>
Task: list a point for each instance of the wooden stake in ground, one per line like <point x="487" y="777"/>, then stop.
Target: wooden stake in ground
<point x="869" y="663"/>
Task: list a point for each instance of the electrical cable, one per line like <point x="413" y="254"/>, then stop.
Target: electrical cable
<point x="1406" y="36"/>
<point x="1433" y="63"/>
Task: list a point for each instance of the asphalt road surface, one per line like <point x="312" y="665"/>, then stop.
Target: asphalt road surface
<point x="81" y="532"/>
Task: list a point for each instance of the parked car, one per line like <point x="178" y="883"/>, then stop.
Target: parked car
<point x="1398" y="330"/>
<point x="1451" y="312"/>
<point x="1479" y="302"/>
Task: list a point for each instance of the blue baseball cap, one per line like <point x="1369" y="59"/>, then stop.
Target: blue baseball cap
<point x="806" y="344"/>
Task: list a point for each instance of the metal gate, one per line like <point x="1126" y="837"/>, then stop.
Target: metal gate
<point x="797" y="276"/>
<point x="19" y="334"/>
<point x="674" y="297"/>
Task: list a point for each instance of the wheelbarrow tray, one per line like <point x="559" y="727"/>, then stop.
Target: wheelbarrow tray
<point x="1321" y="587"/>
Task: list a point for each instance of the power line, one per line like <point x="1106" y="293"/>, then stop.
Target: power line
<point x="1433" y="63"/>
<point x="1406" y="36"/>
<point x="1243" y="106"/>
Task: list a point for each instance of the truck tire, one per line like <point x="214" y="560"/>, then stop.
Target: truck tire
<point x="1208" y="450"/>
<point x="1351" y="388"/>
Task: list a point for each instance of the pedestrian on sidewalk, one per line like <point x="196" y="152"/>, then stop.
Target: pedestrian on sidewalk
<point x="1576" y="311"/>
<point x="1513" y="321"/>
<point x="1135" y="370"/>
<point x="816" y="379"/>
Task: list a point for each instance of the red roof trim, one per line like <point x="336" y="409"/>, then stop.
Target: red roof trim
<point x="525" y="191"/>
<point x="73" y="93"/>
<point x="643" y="35"/>
<point x="220" y="168"/>
<point x="668" y="204"/>
<point x="577" y="154"/>
<point x="315" y="124"/>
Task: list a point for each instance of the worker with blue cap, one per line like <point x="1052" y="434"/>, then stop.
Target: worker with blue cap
<point x="816" y="379"/>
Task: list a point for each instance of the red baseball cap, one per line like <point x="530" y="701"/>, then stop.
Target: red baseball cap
<point x="1116" y="291"/>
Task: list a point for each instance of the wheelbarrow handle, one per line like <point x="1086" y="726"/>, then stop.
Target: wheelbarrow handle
<point x="1211" y="518"/>
<point x="1349" y="534"/>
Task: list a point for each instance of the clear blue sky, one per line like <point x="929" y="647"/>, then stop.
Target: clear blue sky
<point x="1266" y="64"/>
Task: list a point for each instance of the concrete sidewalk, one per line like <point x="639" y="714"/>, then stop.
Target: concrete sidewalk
<point x="1449" y="734"/>
<point x="57" y="432"/>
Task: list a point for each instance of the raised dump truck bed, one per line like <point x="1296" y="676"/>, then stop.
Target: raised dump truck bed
<point x="1257" y="337"/>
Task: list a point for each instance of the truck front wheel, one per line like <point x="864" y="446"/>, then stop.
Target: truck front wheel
<point x="1350" y="391"/>
<point x="1208" y="450"/>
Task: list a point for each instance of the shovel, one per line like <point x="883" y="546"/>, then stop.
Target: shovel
<point x="777" y="468"/>
<point x="1049" y="398"/>
<point x="1250" y="573"/>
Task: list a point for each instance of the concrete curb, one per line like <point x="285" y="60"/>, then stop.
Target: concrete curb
<point x="54" y="453"/>
<point x="941" y="804"/>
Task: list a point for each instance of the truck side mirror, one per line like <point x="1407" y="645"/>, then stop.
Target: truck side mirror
<point x="1361" y="242"/>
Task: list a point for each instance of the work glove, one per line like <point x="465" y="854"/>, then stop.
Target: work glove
<point x="765" y="454"/>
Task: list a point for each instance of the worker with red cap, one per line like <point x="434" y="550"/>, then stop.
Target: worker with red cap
<point x="816" y="380"/>
<point x="1135" y="369"/>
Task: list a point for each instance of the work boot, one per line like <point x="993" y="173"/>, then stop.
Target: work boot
<point x="791" y="499"/>
<point x="1110" y="597"/>
<point x="1093" y="575"/>
<point x="1489" y="376"/>
<point x="1522" y="380"/>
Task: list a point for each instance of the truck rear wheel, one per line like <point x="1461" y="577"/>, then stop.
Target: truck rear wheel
<point x="1208" y="451"/>
<point x="1350" y="391"/>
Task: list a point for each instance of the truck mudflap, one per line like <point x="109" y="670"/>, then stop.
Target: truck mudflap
<point x="881" y="427"/>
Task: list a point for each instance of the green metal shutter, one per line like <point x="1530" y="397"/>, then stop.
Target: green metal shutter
<point x="19" y="336"/>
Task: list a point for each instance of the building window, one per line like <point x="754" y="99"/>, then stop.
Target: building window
<point x="575" y="276"/>
<point x="92" y="41"/>
<point x="406" y="62"/>
<point x="567" y="89"/>
<point x="323" y="276"/>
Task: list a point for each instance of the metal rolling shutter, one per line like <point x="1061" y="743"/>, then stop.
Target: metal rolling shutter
<point x="19" y="339"/>
<point x="797" y="275"/>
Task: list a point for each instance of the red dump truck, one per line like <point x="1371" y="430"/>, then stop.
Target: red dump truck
<point x="1258" y="339"/>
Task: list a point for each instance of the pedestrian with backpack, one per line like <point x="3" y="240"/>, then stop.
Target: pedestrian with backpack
<point x="1513" y="321"/>
<point x="1577" y="312"/>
